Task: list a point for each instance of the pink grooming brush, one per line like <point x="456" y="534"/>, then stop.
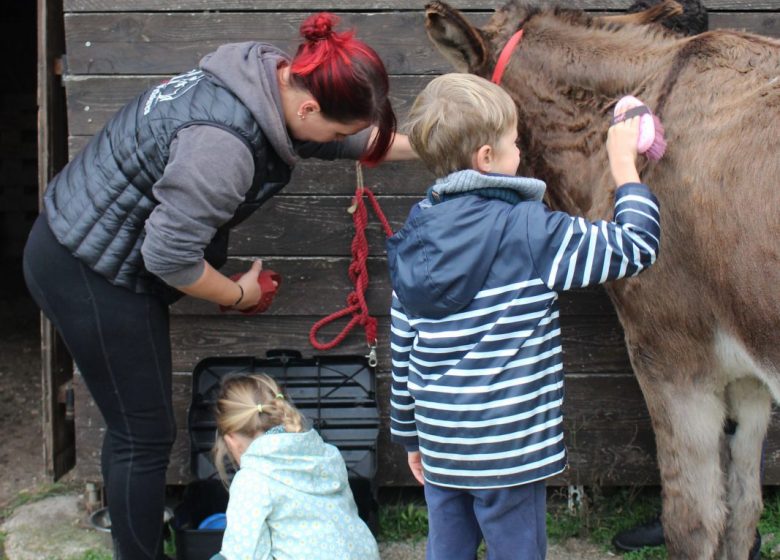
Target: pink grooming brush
<point x="651" y="141"/>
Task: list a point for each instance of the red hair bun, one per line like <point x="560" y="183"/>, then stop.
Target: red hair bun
<point x="318" y="26"/>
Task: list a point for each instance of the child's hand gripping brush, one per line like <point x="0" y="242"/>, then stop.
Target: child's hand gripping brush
<point x="650" y="142"/>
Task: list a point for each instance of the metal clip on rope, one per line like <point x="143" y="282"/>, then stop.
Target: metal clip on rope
<point x="372" y="361"/>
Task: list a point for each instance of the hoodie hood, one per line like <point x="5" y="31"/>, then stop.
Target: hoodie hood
<point x="442" y="256"/>
<point x="249" y="71"/>
<point x="300" y="460"/>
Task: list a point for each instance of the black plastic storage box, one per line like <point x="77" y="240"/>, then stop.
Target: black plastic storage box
<point x="338" y="396"/>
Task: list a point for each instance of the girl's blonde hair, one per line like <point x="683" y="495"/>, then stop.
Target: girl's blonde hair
<point x="251" y="405"/>
<point x="454" y="116"/>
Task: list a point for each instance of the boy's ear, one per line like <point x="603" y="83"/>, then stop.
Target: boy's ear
<point x="482" y="160"/>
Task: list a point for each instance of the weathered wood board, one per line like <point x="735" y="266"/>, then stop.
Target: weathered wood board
<point x="118" y="48"/>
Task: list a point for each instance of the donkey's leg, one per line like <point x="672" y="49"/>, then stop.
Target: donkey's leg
<point x="688" y="423"/>
<point x="749" y="406"/>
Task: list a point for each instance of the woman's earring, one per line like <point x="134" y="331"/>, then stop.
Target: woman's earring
<point x="301" y="115"/>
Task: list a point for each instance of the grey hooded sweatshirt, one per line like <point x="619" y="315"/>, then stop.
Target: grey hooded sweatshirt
<point x="210" y="170"/>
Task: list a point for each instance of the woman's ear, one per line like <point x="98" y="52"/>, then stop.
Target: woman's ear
<point x="307" y="108"/>
<point x="482" y="160"/>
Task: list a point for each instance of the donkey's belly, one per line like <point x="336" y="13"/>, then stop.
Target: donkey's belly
<point x="734" y="362"/>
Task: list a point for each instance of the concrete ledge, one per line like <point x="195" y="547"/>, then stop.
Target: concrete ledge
<point x="52" y="528"/>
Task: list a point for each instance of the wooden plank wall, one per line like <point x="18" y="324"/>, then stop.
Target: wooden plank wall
<point x="116" y="48"/>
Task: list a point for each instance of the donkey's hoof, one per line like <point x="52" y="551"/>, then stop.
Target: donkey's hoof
<point x="755" y="552"/>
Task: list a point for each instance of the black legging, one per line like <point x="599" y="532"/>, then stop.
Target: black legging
<point x="120" y="342"/>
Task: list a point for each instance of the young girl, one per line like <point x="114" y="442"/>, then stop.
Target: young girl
<point x="290" y="499"/>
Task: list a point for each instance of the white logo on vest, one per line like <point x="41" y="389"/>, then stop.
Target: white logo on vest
<point x="173" y="88"/>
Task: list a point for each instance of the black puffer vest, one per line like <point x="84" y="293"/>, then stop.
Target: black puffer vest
<point x="98" y="204"/>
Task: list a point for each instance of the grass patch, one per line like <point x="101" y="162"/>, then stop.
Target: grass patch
<point x="769" y="525"/>
<point x="401" y="522"/>
<point x="95" y="555"/>
<point x="612" y="510"/>
<point x="169" y="546"/>
<point x="604" y="513"/>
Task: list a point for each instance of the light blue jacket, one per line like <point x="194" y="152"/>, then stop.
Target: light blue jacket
<point x="291" y="500"/>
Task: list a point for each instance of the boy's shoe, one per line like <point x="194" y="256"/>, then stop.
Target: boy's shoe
<point x="652" y="534"/>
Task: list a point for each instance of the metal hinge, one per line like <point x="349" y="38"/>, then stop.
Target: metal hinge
<point x="66" y="396"/>
<point x="576" y="499"/>
<point x="60" y="65"/>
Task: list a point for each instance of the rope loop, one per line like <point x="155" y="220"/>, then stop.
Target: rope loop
<point x="357" y="271"/>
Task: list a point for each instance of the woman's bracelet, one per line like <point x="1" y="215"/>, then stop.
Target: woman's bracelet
<point x="240" y="287"/>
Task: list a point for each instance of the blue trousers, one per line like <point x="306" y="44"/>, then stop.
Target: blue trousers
<point x="511" y="520"/>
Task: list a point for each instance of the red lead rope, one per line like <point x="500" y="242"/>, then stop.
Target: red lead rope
<point x="358" y="274"/>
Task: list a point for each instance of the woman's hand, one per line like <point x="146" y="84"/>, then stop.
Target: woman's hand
<point x="250" y="286"/>
<point x="214" y="286"/>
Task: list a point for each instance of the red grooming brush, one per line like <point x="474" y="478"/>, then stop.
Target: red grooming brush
<point x="269" y="281"/>
<point x="651" y="141"/>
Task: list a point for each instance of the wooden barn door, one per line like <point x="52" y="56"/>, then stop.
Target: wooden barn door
<point x="56" y="364"/>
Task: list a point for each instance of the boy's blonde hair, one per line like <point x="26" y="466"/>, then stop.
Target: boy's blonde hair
<point x="251" y="405"/>
<point x="454" y="116"/>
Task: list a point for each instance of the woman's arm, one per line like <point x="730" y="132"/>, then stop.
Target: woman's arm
<point x="399" y="150"/>
<point x="215" y="287"/>
<point x="354" y="146"/>
<point x="205" y="180"/>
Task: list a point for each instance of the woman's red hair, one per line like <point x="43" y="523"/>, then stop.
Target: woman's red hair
<point x="347" y="78"/>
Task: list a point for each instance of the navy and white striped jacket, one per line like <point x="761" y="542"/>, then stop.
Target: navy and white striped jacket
<point x="476" y="342"/>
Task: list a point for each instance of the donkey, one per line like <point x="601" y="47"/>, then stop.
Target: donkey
<point x="702" y="326"/>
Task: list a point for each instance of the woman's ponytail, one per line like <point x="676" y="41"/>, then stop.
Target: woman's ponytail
<point x="318" y="27"/>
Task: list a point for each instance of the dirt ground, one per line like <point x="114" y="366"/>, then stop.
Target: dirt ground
<point x="21" y="455"/>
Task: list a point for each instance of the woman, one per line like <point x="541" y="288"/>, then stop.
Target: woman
<point x="142" y="214"/>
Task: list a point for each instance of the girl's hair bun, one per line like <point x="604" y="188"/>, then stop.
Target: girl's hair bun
<point x="318" y="26"/>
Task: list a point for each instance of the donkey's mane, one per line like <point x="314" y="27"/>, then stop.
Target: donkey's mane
<point x="582" y="19"/>
<point x="578" y="18"/>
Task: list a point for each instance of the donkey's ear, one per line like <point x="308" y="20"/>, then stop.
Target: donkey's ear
<point x="461" y="43"/>
<point x="661" y="11"/>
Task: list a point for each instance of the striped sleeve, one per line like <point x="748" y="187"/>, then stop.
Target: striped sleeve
<point x="402" y="427"/>
<point x="570" y="252"/>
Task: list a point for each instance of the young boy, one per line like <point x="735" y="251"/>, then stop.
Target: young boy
<point x="476" y="344"/>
